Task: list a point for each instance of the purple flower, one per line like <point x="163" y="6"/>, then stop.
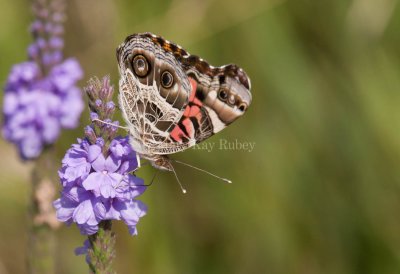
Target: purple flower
<point x="35" y="109"/>
<point x="98" y="188"/>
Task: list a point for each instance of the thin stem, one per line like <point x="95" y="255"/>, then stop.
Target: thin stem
<point x="102" y="249"/>
<point x="43" y="220"/>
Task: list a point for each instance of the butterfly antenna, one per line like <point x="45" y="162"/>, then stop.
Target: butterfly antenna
<point x="179" y="182"/>
<point x="205" y="171"/>
<point x="152" y="179"/>
<point x="111" y="124"/>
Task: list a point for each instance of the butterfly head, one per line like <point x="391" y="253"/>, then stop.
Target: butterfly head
<point x="161" y="162"/>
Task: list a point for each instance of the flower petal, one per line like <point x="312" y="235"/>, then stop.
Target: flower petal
<point x="132" y="230"/>
<point x="116" y="148"/>
<point x="93" y="181"/>
<point x="135" y="210"/>
<point x="100" y="210"/>
<point x="129" y="165"/>
<point x="83" y="212"/>
<point x="136" y="185"/>
<point x="99" y="163"/>
<point x="112" y="164"/>
<point x="63" y="214"/>
<point x="93" y="152"/>
<point x="107" y="191"/>
<point x="115" y="179"/>
<point x="88" y="229"/>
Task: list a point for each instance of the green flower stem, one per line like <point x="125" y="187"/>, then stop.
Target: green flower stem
<point x="43" y="222"/>
<point x="102" y="249"/>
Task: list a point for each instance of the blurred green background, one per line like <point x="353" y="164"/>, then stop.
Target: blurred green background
<point x="320" y="193"/>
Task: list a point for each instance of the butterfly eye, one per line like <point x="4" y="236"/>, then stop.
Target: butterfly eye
<point x="222" y="94"/>
<point x="242" y="107"/>
<point x="167" y="79"/>
<point x="140" y="65"/>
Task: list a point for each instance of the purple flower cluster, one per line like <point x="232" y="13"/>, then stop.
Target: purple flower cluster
<point x="41" y="96"/>
<point x="36" y="108"/>
<point x="97" y="172"/>
<point x="97" y="188"/>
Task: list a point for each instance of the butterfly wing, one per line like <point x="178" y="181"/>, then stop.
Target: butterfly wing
<point x="151" y="106"/>
<point x="202" y="101"/>
<point x="149" y="119"/>
<point x="217" y="99"/>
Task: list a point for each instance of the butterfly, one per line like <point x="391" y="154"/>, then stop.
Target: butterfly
<point x="172" y="100"/>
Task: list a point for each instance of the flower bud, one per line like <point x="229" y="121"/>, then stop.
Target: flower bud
<point x="90" y="134"/>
